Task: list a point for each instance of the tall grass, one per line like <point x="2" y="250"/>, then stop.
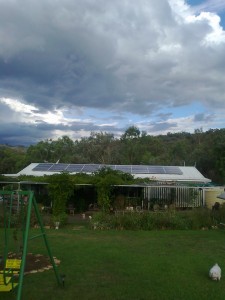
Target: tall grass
<point x="199" y="218"/>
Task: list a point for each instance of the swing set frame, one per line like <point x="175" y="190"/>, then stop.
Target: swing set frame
<point x="12" y="274"/>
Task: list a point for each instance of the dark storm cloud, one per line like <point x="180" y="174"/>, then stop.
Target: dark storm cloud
<point x="203" y="117"/>
<point x="20" y="134"/>
<point x="101" y="55"/>
<point x="60" y="62"/>
<point x="24" y="134"/>
<point x="164" y="116"/>
<point x="136" y="57"/>
<point x="163" y="126"/>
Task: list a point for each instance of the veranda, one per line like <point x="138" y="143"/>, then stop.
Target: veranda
<point x="180" y="196"/>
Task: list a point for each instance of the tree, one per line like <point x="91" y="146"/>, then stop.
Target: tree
<point x="41" y="152"/>
<point x="131" y="133"/>
<point x="97" y="148"/>
<point x="130" y="141"/>
<point x="11" y="159"/>
<point x="63" y="150"/>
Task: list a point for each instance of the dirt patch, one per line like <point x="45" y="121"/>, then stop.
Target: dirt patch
<point x="35" y="262"/>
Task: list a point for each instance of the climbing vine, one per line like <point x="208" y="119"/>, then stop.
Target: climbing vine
<point x="60" y="189"/>
<point x="105" y="179"/>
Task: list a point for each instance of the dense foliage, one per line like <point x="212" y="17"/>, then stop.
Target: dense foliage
<point x="104" y="181"/>
<point x="206" y="150"/>
<point x="198" y="218"/>
<point x="60" y="188"/>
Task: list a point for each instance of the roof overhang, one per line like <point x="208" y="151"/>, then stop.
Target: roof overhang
<point x="23" y="182"/>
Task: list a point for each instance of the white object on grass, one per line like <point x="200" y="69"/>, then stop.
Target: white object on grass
<point x="215" y="272"/>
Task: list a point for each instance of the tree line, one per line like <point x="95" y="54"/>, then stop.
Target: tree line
<point x="205" y="150"/>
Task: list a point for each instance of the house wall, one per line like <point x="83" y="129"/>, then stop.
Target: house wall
<point x="211" y="196"/>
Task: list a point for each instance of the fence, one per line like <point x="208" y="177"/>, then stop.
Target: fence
<point x="180" y="196"/>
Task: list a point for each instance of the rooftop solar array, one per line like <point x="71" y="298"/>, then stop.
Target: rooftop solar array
<point x="90" y="168"/>
<point x="42" y="167"/>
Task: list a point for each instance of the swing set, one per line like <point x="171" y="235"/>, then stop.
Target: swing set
<point x="18" y="205"/>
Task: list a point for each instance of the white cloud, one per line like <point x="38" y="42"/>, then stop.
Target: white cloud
<point x="217" y="34"/>
<point x="18" y="106"/>
<point x="30" y="114"/>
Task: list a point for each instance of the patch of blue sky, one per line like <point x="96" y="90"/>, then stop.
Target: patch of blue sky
<point x="117" y="123"/>
<point x="185" y="110"/>
<point x="222" y="17"/>
<point x="195" y="2"/>
<point x="102" y="116"/>
<point x="206" y="3"/>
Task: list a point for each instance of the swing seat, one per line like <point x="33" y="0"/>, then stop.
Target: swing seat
<point x="13" y="264"/>
<point x="12" y="267"/>
<point x="6" y="285"/>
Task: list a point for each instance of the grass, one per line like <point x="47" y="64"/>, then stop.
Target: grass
<point x="135" y="265"/>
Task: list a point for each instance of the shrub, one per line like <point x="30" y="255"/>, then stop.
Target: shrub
<point x="101" y="220"/>
<point x="196" y="219"/>
<point x="200" y="218"/>
<point x="130" y="221"/>
<point x="147" y="221"/>
<point x="62" y="218"/>
<point x="218" y="216"/>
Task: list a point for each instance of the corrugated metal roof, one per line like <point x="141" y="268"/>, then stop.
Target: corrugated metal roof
<point x="186" y="174"/>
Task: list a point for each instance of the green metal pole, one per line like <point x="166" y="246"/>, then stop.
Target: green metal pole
<point x="23" y="262"/>
<point x="7" y="225"/>
<point x="59" y="280"/>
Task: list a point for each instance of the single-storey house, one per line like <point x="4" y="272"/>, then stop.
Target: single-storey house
<point x="183" y="186"/>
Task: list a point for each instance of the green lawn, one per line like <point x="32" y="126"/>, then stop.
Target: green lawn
<point x="128" y="265"/>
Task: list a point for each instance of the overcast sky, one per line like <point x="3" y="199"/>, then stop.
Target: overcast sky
<point x="70" y="67"/>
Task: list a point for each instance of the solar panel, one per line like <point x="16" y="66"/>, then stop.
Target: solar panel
<point x="90" y="168"/>
<point x="156" y="170"/>
<point x="173" y="170"/>
<point x="123" y="168"/>
<point x="75" y="168"/>
<point x="58" y="167"/>
<point x="42" y="167"/>
<point x="139" y="169"/>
